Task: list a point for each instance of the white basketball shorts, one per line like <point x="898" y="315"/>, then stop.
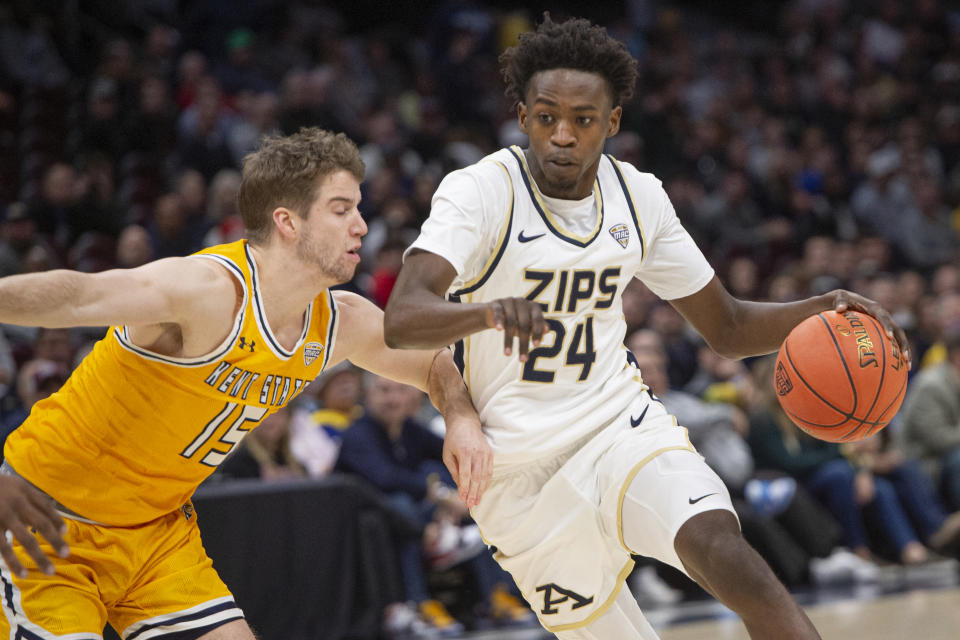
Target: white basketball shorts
<point x="557" y="523"/>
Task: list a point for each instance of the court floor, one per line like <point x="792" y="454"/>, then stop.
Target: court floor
<point x="921" y="614"/>
<point x="920" y="603"/>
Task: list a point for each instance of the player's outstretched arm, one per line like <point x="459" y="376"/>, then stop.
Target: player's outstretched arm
<point x="172" y="290"/>
<point x="418" y="315"/>
<point x="466" y="451"/>
<point x="739" y="328"/>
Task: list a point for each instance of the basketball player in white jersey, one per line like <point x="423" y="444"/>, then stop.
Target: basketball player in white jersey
<point x="589" y="468"/>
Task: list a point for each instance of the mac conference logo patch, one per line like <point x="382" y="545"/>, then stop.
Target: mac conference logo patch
<point x="311" y="351"/>
<point x="620" y="233"/>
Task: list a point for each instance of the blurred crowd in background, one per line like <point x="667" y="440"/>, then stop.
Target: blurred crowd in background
<point x="815" y="148"/>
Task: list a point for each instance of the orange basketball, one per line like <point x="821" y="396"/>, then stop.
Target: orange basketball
<point x="839" y="377"/>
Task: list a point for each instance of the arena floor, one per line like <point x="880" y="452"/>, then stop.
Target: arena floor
<point x="920" y="602"/>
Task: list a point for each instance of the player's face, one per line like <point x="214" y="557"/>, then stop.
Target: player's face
<point x="330" y="235"/>
<point x="568" y="115"/>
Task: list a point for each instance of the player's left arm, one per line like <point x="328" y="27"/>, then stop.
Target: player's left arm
<point x="738" y="328"/>
<point x="360" y="339"/>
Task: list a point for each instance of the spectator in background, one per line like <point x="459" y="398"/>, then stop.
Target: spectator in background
<point x="820" y="466"/>
<point x="223" y="218"/>
<point x="8" y="370"/>
<point x="317" y="431"/>
<point x="18" y="234"/>
<point x="878" y="456"/>
<point x="239" y="72"/>
<point x="37" y="379"/>
<point x="720" y="379"/>
<point x="743" y="278"/>
<point x="638" y="300"/>
<point x="102" y="130"/>
<point x="192" y="189"/>
<point x="404" y="459"/>
<point x="152" y="125"/>
<point x="56" y="212"/>
<point x="191" y="73"/>
<point x="55" y="344"/>
<point x="931" y="418"/>
<point x="265" y="452"/>
<point x="681" y="343"/>
<point x="258" y="119"/>
<point x="396" y="223"/>
<point x="204" y="130"/>
<point x="925" y="234"/>
<point x="169" y="234"/>
<point x="878" y="204"/>
<point x="386" y="268"/>
<point x="133" y="247"/>
<point x="945" y="319"/>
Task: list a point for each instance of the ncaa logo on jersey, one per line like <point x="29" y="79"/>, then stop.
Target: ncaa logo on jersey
<point x="620" y="233"/>
<point x="311" y="351"/>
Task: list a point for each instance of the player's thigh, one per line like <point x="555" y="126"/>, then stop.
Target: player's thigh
<point x="622" y="621"/>
<point x="665" y="493"/>
<point x="41" y="606"/>
<point x="68" y="602"/>
<point x="177" y="591"/>
<point x="236" y="630"/>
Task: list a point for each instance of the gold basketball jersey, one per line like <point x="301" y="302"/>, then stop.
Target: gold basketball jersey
<point x="132" y="433"/>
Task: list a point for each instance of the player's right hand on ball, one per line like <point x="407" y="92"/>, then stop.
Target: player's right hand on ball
<point x="22" y="508"/>
<point x="517" y="318"/>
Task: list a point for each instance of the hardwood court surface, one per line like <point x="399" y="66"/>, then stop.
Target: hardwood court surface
<point x="915" y="615"/>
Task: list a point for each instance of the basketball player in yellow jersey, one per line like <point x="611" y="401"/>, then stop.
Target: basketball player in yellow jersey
<point x="200" y="349"/>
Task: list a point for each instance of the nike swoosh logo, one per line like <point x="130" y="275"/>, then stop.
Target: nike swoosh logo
<point x="636" y="421"/>
<point x="696" y="500"/>
<point x="523" y="238"/>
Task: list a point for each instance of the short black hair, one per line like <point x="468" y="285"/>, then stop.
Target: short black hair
<point x="572" y="44"/>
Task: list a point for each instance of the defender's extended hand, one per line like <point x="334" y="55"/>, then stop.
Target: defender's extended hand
<point x="469" y="458"/>
<point x="23" y="507"/>
<point x="517" y="317"/>
<point x="844" y="300"/>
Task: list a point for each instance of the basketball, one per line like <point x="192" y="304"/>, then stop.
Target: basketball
<point x="839" y="377"/>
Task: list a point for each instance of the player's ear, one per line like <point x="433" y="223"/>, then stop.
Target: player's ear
<point x="522" y="116"/>
<point x="286" y="222"/>
<point x="613" y="126"/>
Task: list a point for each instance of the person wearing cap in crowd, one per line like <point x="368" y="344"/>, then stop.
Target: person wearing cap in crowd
<point x="316" y="432"/>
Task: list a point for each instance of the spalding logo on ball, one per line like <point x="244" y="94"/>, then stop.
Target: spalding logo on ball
<point x="839" y="377"/>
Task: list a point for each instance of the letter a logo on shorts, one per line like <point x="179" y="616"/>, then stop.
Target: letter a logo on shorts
<point x="550" y="602"/>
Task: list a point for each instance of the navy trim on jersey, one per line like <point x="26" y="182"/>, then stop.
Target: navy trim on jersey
<point x="546" y="218"/>
<point x="459" y="347"/>
<point x="331" y="331"/>
<point x="629" y="198"/>
<point x="123" y="337"/>
<point x="261" y="315"/>
<point x="504" y="241"/>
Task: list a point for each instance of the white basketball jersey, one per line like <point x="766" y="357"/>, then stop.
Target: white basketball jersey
<point x="492" y="224"/>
